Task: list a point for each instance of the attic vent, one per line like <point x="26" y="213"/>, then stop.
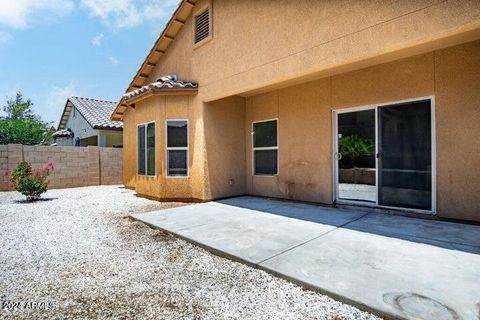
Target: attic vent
<point x="202" y="26"/>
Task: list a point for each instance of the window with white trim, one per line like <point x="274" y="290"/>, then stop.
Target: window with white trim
<point x="265" y="147"/>
<point x="146" y="149"/>
<point x="177" y="148"/>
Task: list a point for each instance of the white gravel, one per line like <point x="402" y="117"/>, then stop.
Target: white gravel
<point x="78" y="251"/>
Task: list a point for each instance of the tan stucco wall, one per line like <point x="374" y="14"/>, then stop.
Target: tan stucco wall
<point x="225" y="147"/>
<point x="305" y="122"/>
<point x="305" y="125"/>
<point x="260" y="43"/>
<point x="457" y="87"/>
<point x="304" y="129"/>
<point x="159" y="109"/>
<point x="257" y="44"/>
<point x="129" y="148"/>
<point x="374" y="52"/>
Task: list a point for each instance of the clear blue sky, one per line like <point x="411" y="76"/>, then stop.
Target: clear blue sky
<point x="52" y="49"/>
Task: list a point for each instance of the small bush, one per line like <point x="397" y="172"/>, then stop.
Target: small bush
<point x="353" y="148"/>
<point x="30" y="183"/>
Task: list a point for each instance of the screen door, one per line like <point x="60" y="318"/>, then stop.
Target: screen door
<point x="405" y="155"/>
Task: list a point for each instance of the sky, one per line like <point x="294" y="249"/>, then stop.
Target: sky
<point x="53" y="49"/>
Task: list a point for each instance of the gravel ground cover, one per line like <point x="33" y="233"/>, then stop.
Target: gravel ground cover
<point x="78" y="256"/>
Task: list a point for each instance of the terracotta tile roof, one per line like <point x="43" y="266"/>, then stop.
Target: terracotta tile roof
<point x="63" y="133"/>
<point x="168" y="82"/>
<point x="96" y="112"/>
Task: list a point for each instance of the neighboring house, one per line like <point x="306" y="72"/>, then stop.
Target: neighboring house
<point x="86" y="122"/>
<point x="269" y="94"/>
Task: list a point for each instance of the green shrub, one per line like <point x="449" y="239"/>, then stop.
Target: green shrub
<point x="353" y="147"/>
<point x="30" y="183"/>
<point x="23" y="131"/>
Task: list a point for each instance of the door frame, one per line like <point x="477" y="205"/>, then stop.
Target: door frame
<point x="336" y="112"/>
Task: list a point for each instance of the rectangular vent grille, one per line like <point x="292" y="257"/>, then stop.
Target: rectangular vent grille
<point x="202" y="26"/>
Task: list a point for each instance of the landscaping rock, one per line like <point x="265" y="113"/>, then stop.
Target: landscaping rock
<point x="76" y="255"/>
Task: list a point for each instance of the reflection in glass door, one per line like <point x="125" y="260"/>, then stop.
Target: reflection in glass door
<point x="356" y="156"/>
<point x="405" y="155"/>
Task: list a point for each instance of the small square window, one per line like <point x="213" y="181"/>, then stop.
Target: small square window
<point x="265" y="134"/>
<point x="177" y="162"/>
<point x="266" y="162"/>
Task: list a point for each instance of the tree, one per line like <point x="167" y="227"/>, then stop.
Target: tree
<point x="18" y="108"/>
<point x="21" y="125"/>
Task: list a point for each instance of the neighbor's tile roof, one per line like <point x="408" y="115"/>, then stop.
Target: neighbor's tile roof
<point x="63" y="133"/>
<point x="96" y="112"/>
<point x="166" y="82"/>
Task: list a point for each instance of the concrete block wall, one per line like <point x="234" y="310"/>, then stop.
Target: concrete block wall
<point x="111" y="170"/>
<point x="93" y="170"/>
<point x="3" y="167"/>
<point x="73" y="166"/>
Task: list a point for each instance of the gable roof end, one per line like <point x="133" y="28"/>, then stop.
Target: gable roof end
<point x="96" y="112"/>
<point x="173" y="26"/>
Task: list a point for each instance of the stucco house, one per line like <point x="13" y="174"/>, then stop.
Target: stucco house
<point x="86" y="122"/>
<point x="368" y="103"/>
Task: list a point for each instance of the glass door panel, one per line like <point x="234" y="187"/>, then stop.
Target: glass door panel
<point x="405" y="155"/>
<point x="356" y="156"/>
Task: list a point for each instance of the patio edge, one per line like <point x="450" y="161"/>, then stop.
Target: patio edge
<point x="309" y="286"/>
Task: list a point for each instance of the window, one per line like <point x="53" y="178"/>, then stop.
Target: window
<point x="146" y="149"/>
<point x="202" y="26"/>
<point x="265" y="148"/>
<point x="177" y="148"/>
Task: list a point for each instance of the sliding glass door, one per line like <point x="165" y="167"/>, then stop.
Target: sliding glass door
<point x="385" y="155"/>
<point x="405" y="155"/>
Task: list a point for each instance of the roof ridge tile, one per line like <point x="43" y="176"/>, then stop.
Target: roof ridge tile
<point x="93" y="99"/>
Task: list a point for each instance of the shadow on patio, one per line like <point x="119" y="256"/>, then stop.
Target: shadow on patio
<point x="448" y="235"/>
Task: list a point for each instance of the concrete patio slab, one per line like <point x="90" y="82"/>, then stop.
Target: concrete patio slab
<point x="253" y="203"/>
<point x="393" y="276"/>
<point x="249" y="235"/>
<point x="396" y="266"/>
<point x="176" y="219"/>
<point x="308" y="212"/>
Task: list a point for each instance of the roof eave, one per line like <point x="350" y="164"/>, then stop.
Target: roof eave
<point x="161" y="92"/>
<point x="62" y="135"/>
<point x="117" y="114"/>
<point x="107" y="128"/>
<point x="173" y="26"/>
<point x="64" y="115"/>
